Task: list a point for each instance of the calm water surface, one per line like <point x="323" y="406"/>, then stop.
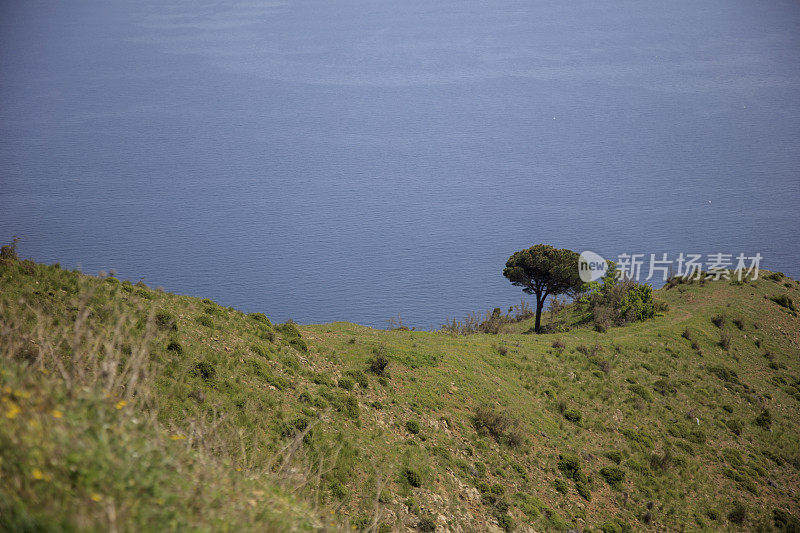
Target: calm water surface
<point x="356" y="159"/>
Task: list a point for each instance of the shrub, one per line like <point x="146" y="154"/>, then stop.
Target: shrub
<point x="412" y="426"/>
<point x="346" y="383"/>
<point x="637" y="304"/>
<point x="718" y="320"/>
<point x="561" y="486"/>
<point x="426" y="523"/>
<point x="165" y="320"/>
<point x="573" y="415"/>
<point x="738" y="513"/>
<point x="260" y="349"/>
<point x="583" y="490"/>
<point x="206" y="321"/>
<point x="640" y="390"/>
<point x="505" y="522"/>
<point x="379" y="361"/>
<point x="638" y="437"/>
<point x="559" y="345"/>
<point x="614" y="456"/>
<point x="764" y="419"/>
<point x="260" y="317"/>
<point x="411" y="476"/>
<point x="500" y="426"/>
<point x="289" y="329"/>
<point x="614" y="476"/>
<point x="665" y="387"/>
<point x="687" y="334"/>
<point x="359" y="377"/>
<point x="735" y="426"/>
<point x="205" y="370"/>
<point x="8" y="252"/>
<point x="298" y="344"/>
<point x="570" y="466"/>
<point x="784" y="301"/>
<point x="175" y="346"/>
<point x="724" y="339"/>
<point x="739" y="323"/>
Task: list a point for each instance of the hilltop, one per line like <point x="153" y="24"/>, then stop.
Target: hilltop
<point x="130" y="408"/>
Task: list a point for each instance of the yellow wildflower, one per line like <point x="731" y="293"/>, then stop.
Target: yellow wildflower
<point x="96" y="497"/>
<point x="56" y="413"/>
<point x="37" y="474"/>
<point x="120" y="404"/>
<point x="177" y="436"/>
<point x="13" y="410"/>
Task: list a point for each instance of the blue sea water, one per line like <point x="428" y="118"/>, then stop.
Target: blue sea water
<point x="359" y="159"/>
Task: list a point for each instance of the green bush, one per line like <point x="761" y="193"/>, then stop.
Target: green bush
<point x="413" y="427"/>
<point x="570" y="466"/>
<point x="260" y="317"/>
<point x="346" y="383"/>
<point x="561" y="486"/>
<point x="289" y="329"/>
<point x="614" y="476"/>
<point x="637" y="304"/>
<point x="573" y="415"/>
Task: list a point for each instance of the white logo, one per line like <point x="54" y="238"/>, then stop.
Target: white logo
<point x="591" y="266"/>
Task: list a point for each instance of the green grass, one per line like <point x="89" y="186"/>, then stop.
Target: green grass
<point x="286" y="424"/>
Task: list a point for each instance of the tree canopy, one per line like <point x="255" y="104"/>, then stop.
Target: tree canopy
<point x="543" y="270"/>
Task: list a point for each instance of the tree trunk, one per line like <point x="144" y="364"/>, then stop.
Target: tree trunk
<point x="539" y="305"/>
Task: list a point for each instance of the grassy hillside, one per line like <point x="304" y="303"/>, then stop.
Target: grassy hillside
<point x="134" y="409"/>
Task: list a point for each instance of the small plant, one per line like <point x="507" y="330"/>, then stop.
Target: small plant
<point x="573" y="415"/>
<point x="205" y="320"/>
<point x="411" y="476"/>
<point x="739" y="323"/>
<point x="561" y="486"/>
<point x="412" y="426"/>
<point x="687" y="334"/>
<point x="718" y="320"/>
<point x="346" y="383"/>
<point x="559" y="345"/>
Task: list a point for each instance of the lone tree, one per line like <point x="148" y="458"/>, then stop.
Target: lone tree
<point x="543" y="270"/>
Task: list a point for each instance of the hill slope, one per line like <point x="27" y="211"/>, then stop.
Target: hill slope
<point x="131" y="408"/>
